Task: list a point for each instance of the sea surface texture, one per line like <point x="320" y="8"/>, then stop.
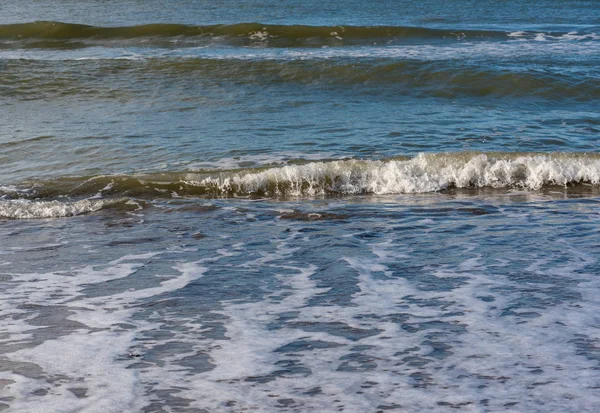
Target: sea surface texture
<point x="299" y="206"/>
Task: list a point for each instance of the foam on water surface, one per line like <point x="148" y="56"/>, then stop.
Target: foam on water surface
<point x="346" y="207"/>
<point x="425" y="173"/>
<point x="75" y="365"/>
<point x="460" y="352"/>
<point x="520" y="45"/>
<point x="27" y="209"/>
<point x="405" y="306"/>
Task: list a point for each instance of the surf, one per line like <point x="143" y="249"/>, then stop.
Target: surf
<point x="424" y="173"/>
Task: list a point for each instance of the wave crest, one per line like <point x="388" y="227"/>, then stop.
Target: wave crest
<point x="28" y="209"/>
<point x="274" y="34"/>
<point x="421" y="174"/>
<point x="424" y="173"/>
<point x="253" y="31"/>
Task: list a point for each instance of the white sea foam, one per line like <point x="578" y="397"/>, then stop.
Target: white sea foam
<point x="415" y="348"/>
<point x="541" y="36"/>
<point x="488" y="360"/>
<point x="424" y="173"/>
<point x="93" y="356"/>
<point x="27" y="209"/>
<point x="83" y="356"/>
<point x="13" y="190"/>
<point x="519" y="44"/>
<point x="260" y="35"/>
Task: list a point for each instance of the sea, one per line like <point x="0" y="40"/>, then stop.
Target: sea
<point x="320" y="206"/>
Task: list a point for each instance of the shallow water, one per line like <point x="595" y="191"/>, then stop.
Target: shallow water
<point x="422" y="302"/>
<point x="342" y="207"/>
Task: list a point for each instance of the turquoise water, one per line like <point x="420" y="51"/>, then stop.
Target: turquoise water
<point x="299" y="207"/>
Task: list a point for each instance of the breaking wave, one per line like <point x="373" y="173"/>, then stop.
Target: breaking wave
<point x="424" y="173"/>
<point x="30" y="209"/>
<point x="421" y="174"/>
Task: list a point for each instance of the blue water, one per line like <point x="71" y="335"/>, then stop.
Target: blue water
<point x="301" y="207"/>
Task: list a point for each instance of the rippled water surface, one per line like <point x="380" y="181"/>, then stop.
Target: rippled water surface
<point x="303" y="207"/>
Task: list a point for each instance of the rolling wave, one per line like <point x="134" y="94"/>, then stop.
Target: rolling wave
<point x="254" y="31"/>
<point x="51" y="34"/>
<point x="421" y="174"/>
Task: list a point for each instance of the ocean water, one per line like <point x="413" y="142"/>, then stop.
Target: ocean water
<point x="300" y="206"/>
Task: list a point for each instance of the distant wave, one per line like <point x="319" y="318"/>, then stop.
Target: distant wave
<point x="254" y="31"/>
<point x="421" y="174"/>
<point x="285" y="35"/>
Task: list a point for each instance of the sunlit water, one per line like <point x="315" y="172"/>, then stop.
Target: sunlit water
<point x="211" y="216"/>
